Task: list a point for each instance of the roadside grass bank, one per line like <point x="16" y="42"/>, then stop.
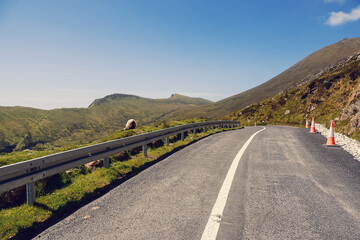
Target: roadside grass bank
<point x="27" y="154"/>
<point x="79" y="186"/>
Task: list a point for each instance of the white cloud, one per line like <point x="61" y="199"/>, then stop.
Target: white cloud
<point x="335" y="1"/>
<point x="338" y="18"/>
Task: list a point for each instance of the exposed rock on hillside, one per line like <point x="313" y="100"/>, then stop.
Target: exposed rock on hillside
<point x="341" y="63"/>
<point x="94" y="165"/>
<point x="352" y="112"/>
<point x="335" y="95"/>
<point x="306" y="70"/>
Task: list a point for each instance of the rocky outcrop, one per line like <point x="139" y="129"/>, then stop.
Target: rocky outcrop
<point x="355" y="123"/>
<point x="342" y="63"/>
<point x="352" y="112"/>
<point x="94" y="164"/>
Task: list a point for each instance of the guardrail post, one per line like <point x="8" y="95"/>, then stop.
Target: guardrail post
<point x="182" y="136"/>
<point x="194" y="131"/>
<point x="167" y="140"/>
<point x="212" y="127"/>
<point x="145" y="150"/>
<point x="30" y="193"/>
<point x="106" y="162"/>
<point x="204" y="129"/>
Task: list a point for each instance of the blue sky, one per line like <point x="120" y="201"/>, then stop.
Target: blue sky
<point x="66" y="53"/>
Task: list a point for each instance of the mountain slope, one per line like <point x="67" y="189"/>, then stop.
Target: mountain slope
<point x="335" y="95"/>
<point x="175" y="98"/>
<point x="301" y="72"/>
<point x="22" y="127"/>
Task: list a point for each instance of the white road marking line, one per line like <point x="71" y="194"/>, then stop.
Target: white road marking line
<point x="213" y="224"/>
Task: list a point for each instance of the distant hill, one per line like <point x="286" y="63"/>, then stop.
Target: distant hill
<point x="334" y="95"/>
<point x="177" y="99"/>
<point x="22" y="127"/>
<point x="302" y="72"/>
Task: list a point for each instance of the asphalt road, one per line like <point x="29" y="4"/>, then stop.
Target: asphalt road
<point x="287" y="186"/>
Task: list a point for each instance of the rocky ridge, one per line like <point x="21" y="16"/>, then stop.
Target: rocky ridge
<point x="311" y="77"/>
<point x="333" y="95"/>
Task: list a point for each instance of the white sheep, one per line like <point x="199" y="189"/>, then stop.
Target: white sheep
<point x="131" y="124"/>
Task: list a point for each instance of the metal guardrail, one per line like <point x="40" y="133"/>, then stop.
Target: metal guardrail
<point x="30" y="171"/>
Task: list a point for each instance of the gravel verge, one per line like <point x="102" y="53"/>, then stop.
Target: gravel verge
<point x="348" y="144"/>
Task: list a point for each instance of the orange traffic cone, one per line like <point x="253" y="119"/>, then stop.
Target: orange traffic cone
<point x="312" y="129"/>
<point x="307" y="123"/>
<point x="331" y="138"/>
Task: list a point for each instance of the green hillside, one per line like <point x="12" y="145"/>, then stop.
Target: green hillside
<point x="121" y="107"/>
<point x="335" y="95"/>
<point x="303" y="71"/>
<point x="22" y="127"/>
<point x="26" y="127"/>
